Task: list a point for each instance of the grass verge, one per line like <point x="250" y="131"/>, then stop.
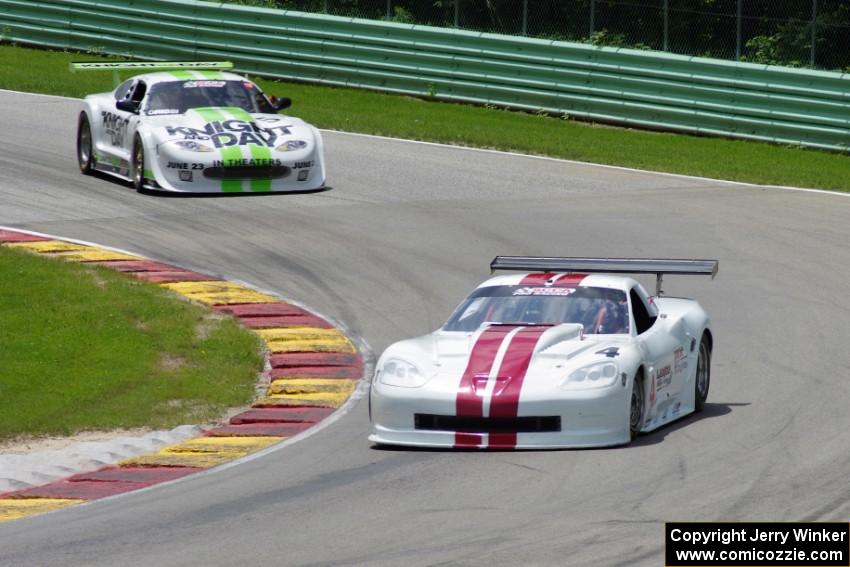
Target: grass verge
<point x="87" y="348"/>
<point x="369" y="112"/>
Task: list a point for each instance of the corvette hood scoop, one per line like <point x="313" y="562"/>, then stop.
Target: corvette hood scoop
<point x="565" y="341"/>
<point x="452" y="351"/>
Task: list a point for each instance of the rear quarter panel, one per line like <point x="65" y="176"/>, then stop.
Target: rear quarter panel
<point x="92" y="106"/>
<point x="694" y="322"/>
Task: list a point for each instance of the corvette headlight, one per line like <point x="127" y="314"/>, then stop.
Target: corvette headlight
<point x="397" y="372"/>
<point x="596" y="375"/>
<point x="193" y="146"/>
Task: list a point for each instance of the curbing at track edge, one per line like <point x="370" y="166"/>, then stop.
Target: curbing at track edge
<point x="315" y="369"/>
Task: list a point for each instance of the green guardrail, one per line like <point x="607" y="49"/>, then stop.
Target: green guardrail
<point x="623" y="86"/>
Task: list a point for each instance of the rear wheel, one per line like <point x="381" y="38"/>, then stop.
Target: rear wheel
<point x="637" y="407"/>
<point x="85" y="155"/>
<point x="703" y="376"/>
<point x="137" y="171"/>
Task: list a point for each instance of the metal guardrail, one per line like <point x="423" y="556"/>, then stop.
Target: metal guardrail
<point x="640" y="88"/>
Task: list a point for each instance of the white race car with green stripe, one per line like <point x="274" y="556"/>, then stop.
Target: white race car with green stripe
<point x="198" y="131"/>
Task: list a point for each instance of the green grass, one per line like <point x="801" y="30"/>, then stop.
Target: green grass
<point x="87" y="348"/>
<point x="407" y="117"/>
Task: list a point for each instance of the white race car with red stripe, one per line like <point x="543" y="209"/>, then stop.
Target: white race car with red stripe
<point x="549" y="360"/>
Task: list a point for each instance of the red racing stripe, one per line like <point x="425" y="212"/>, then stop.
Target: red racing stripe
<point x="470" y="393"/>
<point x="569" y="280"/>
<point x="536" y="279"/>
<point x="509" y="379"/>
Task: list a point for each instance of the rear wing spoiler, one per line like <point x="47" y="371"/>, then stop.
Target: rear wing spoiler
<point x="124" y="65"/>
<point x="657" y="266"/>
<point x="116" y="66"/>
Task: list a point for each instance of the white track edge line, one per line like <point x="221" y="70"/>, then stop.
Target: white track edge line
<point x="40" y="94"/>
<point x="591" y="164"/>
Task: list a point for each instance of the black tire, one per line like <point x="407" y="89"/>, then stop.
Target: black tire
<point x="137" y="169"/>
<point x="85" y="153"/>
<point x="702" y="380"/>
<point x="637" y="406"/>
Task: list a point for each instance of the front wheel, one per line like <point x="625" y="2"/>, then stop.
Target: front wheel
<point x="138" y="167"/>
<point x="637" y="407"/>
<point x="703" y="376"/>
<point x="85" y="155"/>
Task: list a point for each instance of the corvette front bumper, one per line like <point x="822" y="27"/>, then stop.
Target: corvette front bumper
<point x="588" y="418"/>
<point x="173" y="169"/>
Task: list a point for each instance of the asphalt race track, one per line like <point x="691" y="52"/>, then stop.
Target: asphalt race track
<point x="405" y="232"/>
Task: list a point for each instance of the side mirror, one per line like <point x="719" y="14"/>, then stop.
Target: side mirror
<point x="281" y="103"/>
<point x="127" y="106"/>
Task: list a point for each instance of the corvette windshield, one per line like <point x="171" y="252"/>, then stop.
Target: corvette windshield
<point x="600" y="310"/>
<point x="176" y="97"/>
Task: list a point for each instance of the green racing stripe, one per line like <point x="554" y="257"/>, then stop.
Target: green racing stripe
<point x="183" y="75"/>
<point x="233" y="154"/>
<point x="261" y="153"/>
<point x="229" y="154"/>
<point x="212" y="75"/>
<point x="257" y="152"/>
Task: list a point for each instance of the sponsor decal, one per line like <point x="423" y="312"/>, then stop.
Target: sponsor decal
<point x="680" y="360"/>
<point x="544" y="291"/>
<point x="233" y="130"/>
<point x="114" y="126"/>
<point x="154" y="65"/>
<point x="225" y="133"/>
<point x="664" y="377"/>
<point x="303" y="174"/>
<point x="610" y="352"/>
<point x="184" y="165"/>
<point x="291" y="145"/>
<point x="163" y="111"/>
<point x="302" y="164"/>
<point x="196" y="84"/>
<point x="652" y="391"/>
<point x="185" y="175"/>
<point x="246" y="162"/>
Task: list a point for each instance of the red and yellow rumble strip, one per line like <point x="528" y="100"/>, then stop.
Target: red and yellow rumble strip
<point x="315" y="368"/>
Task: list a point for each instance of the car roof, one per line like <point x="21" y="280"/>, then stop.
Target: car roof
<point x="610" y="281"/>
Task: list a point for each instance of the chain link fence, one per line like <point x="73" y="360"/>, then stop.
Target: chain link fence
<point x="796" y="33"/>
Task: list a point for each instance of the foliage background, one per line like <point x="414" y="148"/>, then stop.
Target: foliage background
<point x="796" y="33"/>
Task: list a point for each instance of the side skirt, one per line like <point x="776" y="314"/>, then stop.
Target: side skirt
<point x="674" y="411"/>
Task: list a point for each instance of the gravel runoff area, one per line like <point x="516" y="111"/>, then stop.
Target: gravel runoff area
<point x="22" y="467"/>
